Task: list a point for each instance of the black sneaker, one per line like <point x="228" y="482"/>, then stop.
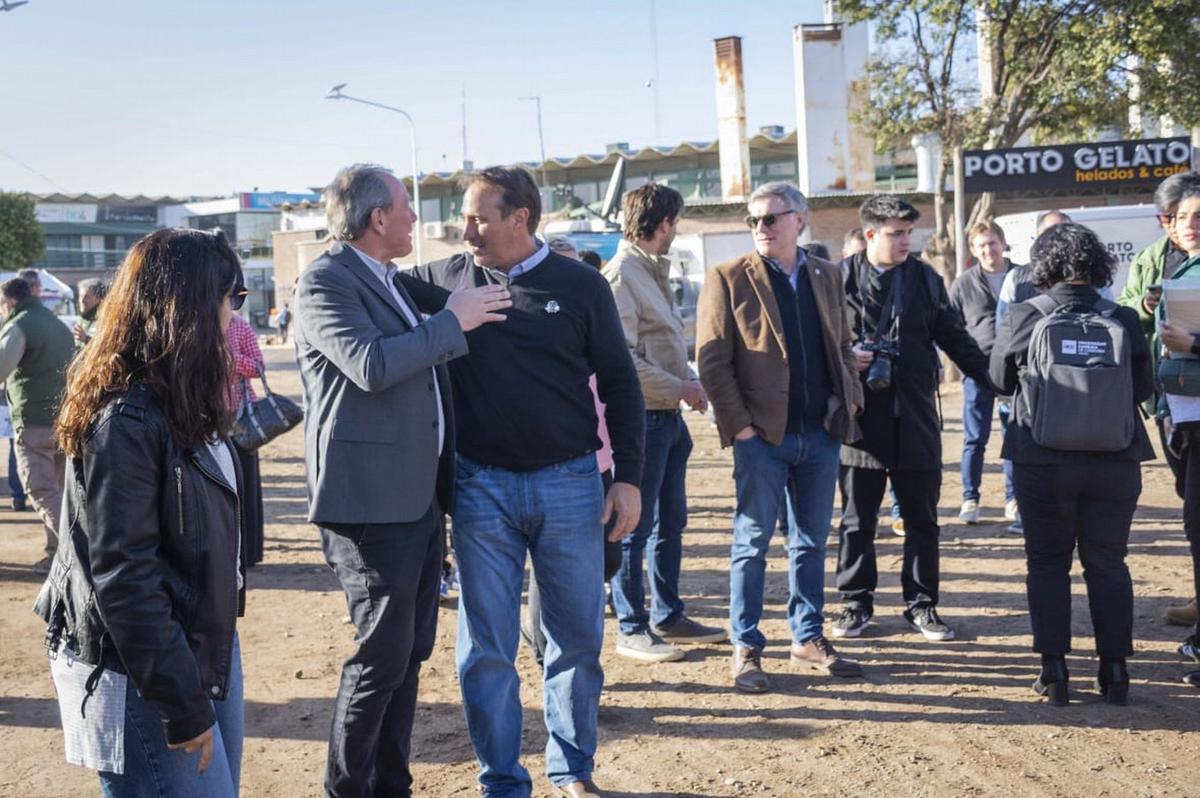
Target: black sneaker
<point x="852" y="622"/>
<point x="926" y="621"/>
<point x="1190" y="649"/>
<point x="687" y="631"/>
<point x="1192" y="678"/>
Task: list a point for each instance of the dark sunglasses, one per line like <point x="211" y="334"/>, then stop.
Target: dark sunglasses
<point x="238" y="297"/>
<point x="768" y="219"/>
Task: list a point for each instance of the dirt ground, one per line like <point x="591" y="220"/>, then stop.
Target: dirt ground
<point x="930" y="719"/>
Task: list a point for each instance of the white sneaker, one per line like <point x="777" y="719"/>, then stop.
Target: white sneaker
<point x="969" y="514"/>
<point x="1011" y="511"/>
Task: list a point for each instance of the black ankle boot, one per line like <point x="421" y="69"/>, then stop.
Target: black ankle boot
<point x="1112" y="681"/>
<point x="1052" y="681"/>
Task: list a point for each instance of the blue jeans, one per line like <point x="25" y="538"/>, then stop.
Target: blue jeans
<point x="154" y="771"/>
<point x="664" y="515"/>
<point x="554" y="513"/>
<point x="14" y="476"/>
<point x="803" y="470"/>
<point x="978" y="402"/>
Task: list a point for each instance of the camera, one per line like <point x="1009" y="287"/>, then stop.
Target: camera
<point x="879" y="373"/>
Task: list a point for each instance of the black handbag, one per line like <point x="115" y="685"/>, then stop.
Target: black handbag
<point x="264" y="420"/>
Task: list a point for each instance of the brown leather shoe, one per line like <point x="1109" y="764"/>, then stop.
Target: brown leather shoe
<point x="581" y="789"/>
<point x="1184" y="615"/>
<point x="820" y="655"/>
<point x="747" y="670"/>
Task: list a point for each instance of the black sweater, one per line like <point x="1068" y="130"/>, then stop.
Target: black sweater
<point x="521" y="396"/>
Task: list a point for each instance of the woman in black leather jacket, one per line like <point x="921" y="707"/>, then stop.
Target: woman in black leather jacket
<point x="145" y="590"/>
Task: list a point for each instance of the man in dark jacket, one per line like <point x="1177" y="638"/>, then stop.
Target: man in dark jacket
<point x="899" y="310"/>
<point x="974" y="295"/>
<point x="379" y="454"/>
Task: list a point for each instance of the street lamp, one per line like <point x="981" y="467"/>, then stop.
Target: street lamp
<point x="336" y="94"/>
<point x="541" y="139"/>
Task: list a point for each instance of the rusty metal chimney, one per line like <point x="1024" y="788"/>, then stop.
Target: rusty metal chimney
<point x="733" y="145"/>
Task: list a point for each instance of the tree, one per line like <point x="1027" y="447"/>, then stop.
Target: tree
<point x="1059" y="69"/>
<point x="21" y="241"/>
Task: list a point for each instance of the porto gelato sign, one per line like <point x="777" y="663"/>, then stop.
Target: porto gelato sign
<point x="1103" y="164"/>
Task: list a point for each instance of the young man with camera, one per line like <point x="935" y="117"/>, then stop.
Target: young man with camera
<point x="774" y="350"/>
<point x="899" y="311"/>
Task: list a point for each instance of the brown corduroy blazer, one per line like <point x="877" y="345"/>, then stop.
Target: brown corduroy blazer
<point x="742" y="356"/>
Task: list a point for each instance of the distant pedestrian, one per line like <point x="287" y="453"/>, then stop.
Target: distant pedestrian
<point x="35" y="348"/>
<point x="283" y="320"/>
<point x="91" y="295"/>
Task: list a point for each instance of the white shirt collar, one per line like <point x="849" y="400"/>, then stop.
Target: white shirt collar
<point x="527" y="265"/>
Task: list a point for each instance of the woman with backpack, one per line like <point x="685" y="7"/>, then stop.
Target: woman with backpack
<point x="1181" y="424"/>
<point x="1075" y="365"/>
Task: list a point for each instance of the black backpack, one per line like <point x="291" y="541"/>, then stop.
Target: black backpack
<point x="1077" y="388"/>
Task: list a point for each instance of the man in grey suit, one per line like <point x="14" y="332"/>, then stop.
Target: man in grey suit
<point x="379" y="448"/>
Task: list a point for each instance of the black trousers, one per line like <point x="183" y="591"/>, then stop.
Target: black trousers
<point x="390" y="575"/>
<point x="1191" y="499"/>
<point x="252" y="507"/>
<point x="862" y="492"/>
<point x="1091" y="506"/>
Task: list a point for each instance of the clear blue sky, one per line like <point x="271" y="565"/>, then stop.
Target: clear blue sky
<point x="213" y="96"/>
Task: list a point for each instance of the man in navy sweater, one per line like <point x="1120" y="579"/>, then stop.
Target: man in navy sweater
<point x="527" y="477"/>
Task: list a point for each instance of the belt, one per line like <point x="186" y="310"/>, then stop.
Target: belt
<point x="662" y="413"/>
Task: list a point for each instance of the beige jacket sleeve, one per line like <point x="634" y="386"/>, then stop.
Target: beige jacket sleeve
<point x="658" y="386"/>
<point x="12" y="349"/>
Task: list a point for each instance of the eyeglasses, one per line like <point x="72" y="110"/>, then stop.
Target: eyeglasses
<point x="237" y="297"/>
<point x="768" y="219"/>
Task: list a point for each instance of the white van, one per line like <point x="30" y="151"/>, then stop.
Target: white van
<point x="1125" y="229"/>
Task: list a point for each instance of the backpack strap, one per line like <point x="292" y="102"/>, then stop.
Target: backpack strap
<point x="1044" y="303"/>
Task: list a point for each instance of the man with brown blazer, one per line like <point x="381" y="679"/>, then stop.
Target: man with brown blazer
<point x="774" y="350"/>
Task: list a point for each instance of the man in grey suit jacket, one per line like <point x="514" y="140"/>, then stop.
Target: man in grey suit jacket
<point x="379" y="448"/>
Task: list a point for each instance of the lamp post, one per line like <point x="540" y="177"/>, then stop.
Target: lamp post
<point x="336" y="94"/>
<point x="541" y="139"/>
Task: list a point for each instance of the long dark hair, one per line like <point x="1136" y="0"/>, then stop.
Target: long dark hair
<point x="160" y="326"/>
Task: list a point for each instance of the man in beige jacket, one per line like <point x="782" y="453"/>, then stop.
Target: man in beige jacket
<point x="775" y="353"/>
<point x="638" y="274"/>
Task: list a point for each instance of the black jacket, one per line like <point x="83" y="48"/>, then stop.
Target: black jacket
<point x="1010" y="356"/>
<point x="145" y="580"/>
<point x="972" y="296"/>
<point x="900" y="426"/>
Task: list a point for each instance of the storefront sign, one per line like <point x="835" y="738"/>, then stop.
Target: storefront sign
<point x="1102" y="164"/>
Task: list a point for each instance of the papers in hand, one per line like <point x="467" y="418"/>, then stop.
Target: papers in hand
<point x="1181" y="306"/>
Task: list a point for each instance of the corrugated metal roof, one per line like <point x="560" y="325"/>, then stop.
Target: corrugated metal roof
<point x="684" y="148"/>
<point x="98" y="229"/>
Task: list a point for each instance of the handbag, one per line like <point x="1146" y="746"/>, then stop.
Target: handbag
<point x="265" y="420"/>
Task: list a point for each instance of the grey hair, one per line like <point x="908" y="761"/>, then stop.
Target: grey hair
<point x="792" y="196"/>
<point x="94" y="286"/>
<point x="355" y="192"/>
<point x="1169" y="193"/>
